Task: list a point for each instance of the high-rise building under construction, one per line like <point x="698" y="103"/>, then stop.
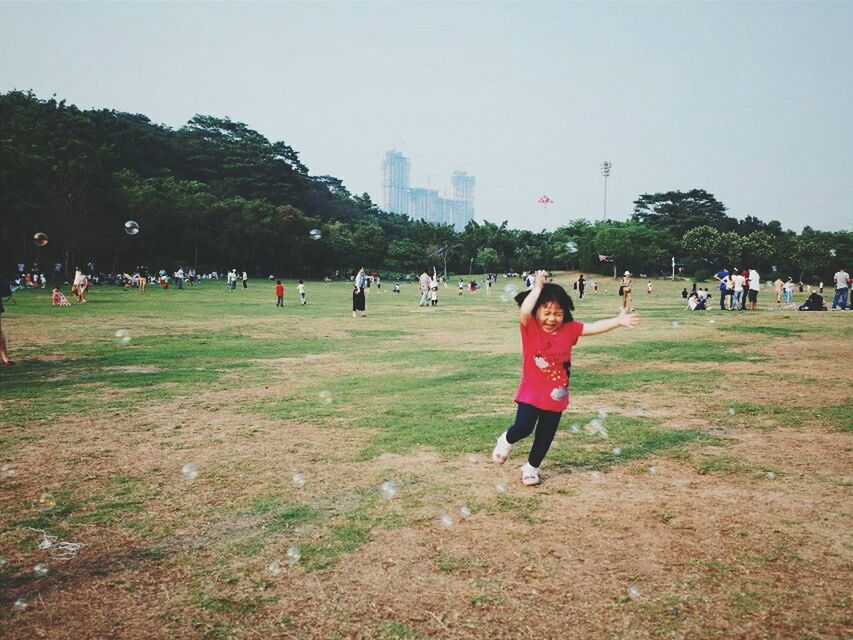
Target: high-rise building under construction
<point x="425" y="204"/>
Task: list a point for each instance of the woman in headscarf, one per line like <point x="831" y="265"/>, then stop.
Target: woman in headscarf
<point x="358" y="294"/>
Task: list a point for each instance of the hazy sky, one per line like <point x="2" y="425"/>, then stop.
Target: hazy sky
<point x="750" y="101"/>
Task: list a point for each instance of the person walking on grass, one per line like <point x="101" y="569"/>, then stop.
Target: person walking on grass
<point x="300" y="289"/>
<point x="5" y="291"/>
<point x="548" y="333"/>
<point x="279" y="293"/>
<point x="625" y="290"/>
<point x="358" y="301"/>
<point x="842" y="288"/>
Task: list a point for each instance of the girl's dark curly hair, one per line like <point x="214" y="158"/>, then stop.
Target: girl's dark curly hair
<point x="551" y="293"/>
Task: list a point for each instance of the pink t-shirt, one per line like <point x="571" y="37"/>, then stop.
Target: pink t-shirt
<point x="546" y="362"/>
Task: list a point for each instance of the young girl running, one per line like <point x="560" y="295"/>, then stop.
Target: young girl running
<point x="548" y="334"/>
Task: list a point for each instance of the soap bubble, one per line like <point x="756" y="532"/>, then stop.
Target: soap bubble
<point x="2" y="561"/>
<point x="315" y="234"/>
<point x="616" y="451"/>
<point x="500" y="487"/>
<point x="40" y="239"/>
<point x="652" y="469"/>
<point x="446" y="521"/>
<point x="633" y="593"/>
<point x="122" y="336"/>
<point x="131" y="227"/>
<point x="464" y="512"/>
<point x="388" y="490"/>
<point x="639" y="411"/>
<point x="510" y="291"/>
<point x="473" y="459"/>
<point x="771" y="475"/>
<point x="189" y="472"/>
<point x="21" y="603"/>
<point x="833" y="252"/>
<point x="273" y="569"/>
<point x="731" y="411"/>
<point x="293" y="554"/>
<point x="8" y="470"/>
<point x="676" y="324"/>
<point x="298" y="480"/>
<point x="712" y="322"/>
<point x="571" y="246"/>
<point x="325" y="396"/>
<point x="575" y="428"/>
<point x="602" y="413"/>
<point x="47" y="501"/>
<point x="41" y="569"/>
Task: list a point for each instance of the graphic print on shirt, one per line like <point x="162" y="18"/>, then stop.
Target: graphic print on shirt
<point x="556" y="367"/>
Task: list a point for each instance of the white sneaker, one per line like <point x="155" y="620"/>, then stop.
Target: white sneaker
<point x="502" y="449"/>
<point x="530" y="475"/>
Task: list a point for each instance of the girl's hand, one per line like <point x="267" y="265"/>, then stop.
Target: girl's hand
<point x="541" y="277"/>
<point x="629" y="320"/>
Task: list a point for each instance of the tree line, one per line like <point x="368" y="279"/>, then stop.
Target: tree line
<point x="216" y="194"/>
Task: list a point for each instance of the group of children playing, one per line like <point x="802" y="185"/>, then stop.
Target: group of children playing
<point x="279" y="293"/>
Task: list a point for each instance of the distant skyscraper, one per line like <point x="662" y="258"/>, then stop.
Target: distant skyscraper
<point x="463" y="193"/>
<point x="425" y="204"/>
<point x="395" y="182"/>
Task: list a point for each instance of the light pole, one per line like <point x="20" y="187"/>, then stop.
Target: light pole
<point x="605" y="171"/>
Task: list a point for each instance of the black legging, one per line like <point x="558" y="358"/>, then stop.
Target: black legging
<point x="525" y="420"/>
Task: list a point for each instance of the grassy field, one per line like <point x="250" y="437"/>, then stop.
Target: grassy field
<point x="224" y="469"/>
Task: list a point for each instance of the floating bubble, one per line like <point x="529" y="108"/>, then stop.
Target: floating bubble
<point x="388" y="490"/>
<point x="189" y="472"/>
<point x="315" y="234"/>
<point x="639" y="412"/>
<point x="833" y="252"/>
<point x="712" y="322"/>
<point x="2" y="561"/>
<point x="131" y="227"/>
<point x="325" y="396"/>
<point x="731" y="411"/>
<point x="616" y="451"/>
<point x="774" y="268"/>
<point x="293" y="555"/>
<point x="510" y="291"/>
<point x="575" y="428"/>
<point x="595" y="475"/>
<point x="676" y="324"/>
<point x="41" y="569"/>
<point x="8" y="470"/>
<point x="602" y="413"/>
<point x="274" y="569"/>
<point x="473" y="459"/>
<point x="40" y="239"/>
<point x="298" y="480"/>
<point x="500" y="487"/>
<point x="47" y="501"/>
<point x="446" y="521"/>
<point x="771" y="475"/>
<point x="571" y="246"/>
<point x="122" y="336"/>
<point x="21" y="603"/>
<point x="45" y="543"/>
<point x="464" y="512"/>
<point x="633" y="593"/>
<point x="652" y="470"/>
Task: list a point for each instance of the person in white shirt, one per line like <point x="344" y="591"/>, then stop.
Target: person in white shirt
<point x="423" y="282"/>
<point x="754" y="288"/>
<point x="842" y="288"/>
<point x="737" y="300"/>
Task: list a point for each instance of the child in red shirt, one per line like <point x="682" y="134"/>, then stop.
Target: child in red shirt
<point x="548" y="334"/>
<point x="279" y="293"/>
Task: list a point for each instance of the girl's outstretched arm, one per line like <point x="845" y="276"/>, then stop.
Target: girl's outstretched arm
<point x="624" y="319"/>
<point x="530" y="301"/>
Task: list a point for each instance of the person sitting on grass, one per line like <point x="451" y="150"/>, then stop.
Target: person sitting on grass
<point x="548" y="333"/>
